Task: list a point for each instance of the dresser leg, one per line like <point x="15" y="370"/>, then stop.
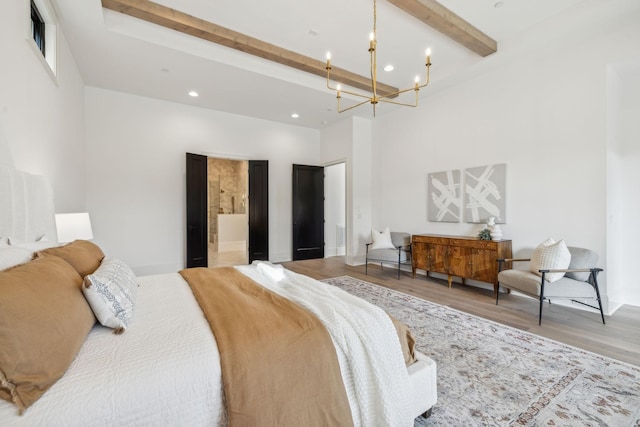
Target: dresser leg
<point x="414" y="272"/>
<point x="449" y="279"/>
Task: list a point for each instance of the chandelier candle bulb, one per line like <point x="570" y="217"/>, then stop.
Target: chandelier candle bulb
<point x="328" y="60"/>
<point x="428" y="53"/>
<point x="372" y="40"/>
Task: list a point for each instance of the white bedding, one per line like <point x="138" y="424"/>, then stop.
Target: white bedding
<point x="366" y="342"/>
<point x="163" y="371"/>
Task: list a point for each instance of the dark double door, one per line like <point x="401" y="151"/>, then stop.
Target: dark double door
<point x="197" y="221"/>
<point x="307" y="203"/>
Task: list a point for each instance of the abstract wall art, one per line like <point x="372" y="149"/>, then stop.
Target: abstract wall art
<point x="484" y="193"/>
<point x="444" y="196"/>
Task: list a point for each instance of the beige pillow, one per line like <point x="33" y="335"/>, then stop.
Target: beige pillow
<point x="44" y="320"/>
<point x="83" y="255"/>
<point x="550" y="255"/>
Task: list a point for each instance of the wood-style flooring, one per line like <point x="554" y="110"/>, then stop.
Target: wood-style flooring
<point x="619" y="338"/>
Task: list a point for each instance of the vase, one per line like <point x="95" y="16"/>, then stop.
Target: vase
<point x="496" y="232"/>
<point x="491" y="221"/>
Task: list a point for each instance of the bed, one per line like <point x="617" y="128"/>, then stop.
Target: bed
<point x="165" y="368"/>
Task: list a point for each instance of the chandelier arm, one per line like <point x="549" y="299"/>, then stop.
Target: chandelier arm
<point x="388" y="101"/>
<point x="353" y="106"/>
<point x="399" y="92"/>
<point x="368" y="97"/>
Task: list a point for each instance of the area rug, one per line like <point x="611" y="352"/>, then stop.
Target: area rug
<point x="495" y="375"/>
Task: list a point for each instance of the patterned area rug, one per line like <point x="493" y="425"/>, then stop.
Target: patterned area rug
<point x="494" y="375"/>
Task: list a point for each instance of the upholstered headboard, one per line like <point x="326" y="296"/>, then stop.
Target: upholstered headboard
<point x="26" y="206"/>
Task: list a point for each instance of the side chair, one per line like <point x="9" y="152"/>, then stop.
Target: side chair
<point x="580" y="280"/>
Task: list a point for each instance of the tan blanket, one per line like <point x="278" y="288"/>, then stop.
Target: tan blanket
<point x="279" y="366"/>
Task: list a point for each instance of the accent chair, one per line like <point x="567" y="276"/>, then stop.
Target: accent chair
<point x="579" y="281"/>
<point x="399" y="255"/>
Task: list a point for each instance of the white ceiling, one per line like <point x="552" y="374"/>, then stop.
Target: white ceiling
<point x="121" y="53"/>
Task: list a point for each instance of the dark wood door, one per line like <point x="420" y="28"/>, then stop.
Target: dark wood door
<point x="197" y="242"/>
<point x="308" y="212"/>
<point x="258" y="210"/>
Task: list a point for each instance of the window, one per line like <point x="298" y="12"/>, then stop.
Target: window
<point x="43" y="32"/>
<point x="37" y="28"/>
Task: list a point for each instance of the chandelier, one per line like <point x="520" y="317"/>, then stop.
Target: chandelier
<point x="374" y="97"/>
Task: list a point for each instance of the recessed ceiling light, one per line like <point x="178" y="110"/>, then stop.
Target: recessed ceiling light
<point x="388" y="67"/>
<point x="498" y="4"/>
<point x="164" y="70"/>
<point x="313" y="32"/>
<point x="193" y="93"/>
<point x="295" y="115"/>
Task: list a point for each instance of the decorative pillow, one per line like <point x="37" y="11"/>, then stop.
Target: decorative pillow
<point x="3" y="241"/>
<point x="582" y="258"/>
<point x="44" y="321"/>
<point x="550" y="255"/>
<point x="381" y="239"/>
<point x="11" y="256"/>
<point x="83" y="255"/>
<point x="111" y="293"/>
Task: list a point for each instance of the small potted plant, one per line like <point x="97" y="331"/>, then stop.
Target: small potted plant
<point x="484" y="234"/>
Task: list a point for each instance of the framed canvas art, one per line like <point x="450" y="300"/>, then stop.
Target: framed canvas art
<point x="484" y="193"/>
<point x="444" y="196"/>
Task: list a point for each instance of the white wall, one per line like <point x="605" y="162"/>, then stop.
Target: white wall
<point x="626" y="171"/>
<point x="136" y="181"/>
<point x="542" y="112"/>
<point x="334" y="208"/>
<point x="41" y="120"/>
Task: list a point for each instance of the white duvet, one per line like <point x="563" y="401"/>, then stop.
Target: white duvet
<point x="165" y="371"/>
<point x="371" y="361"/>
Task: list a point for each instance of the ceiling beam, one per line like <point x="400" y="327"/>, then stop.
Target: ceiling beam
<point x="448" y="23"/>
<point x="188" y="24"/>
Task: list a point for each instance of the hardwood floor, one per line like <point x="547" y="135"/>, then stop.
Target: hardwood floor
<point x="619" y="338"/>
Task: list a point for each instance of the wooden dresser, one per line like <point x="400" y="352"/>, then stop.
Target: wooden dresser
<point x="465" y="257"/>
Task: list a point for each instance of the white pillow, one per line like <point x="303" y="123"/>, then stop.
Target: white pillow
<point x="11" y="256"/>
<point x="550" y="255"/>
<point x="381" y="239"/>
<point x="111" y="292"/>
<point x="4" y="241"/>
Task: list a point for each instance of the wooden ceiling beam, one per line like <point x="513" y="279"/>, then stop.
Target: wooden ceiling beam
<point x="188" y="24"/>
<point x="448" y="23"/>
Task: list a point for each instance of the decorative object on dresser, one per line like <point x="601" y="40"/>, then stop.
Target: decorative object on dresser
<point x="555" y="271"/>
<point x="388" y="247"/>
<point x="464" y="257"/>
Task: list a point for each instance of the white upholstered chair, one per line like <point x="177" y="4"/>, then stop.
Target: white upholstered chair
<point x="399" y="255"/>
<point x="579" y="280"/>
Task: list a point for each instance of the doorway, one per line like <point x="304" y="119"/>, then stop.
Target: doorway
<point x="228" y="229"/>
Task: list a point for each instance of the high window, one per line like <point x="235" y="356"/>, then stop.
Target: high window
<point x="37" y="28"/>
<point x="43" y="33"/>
